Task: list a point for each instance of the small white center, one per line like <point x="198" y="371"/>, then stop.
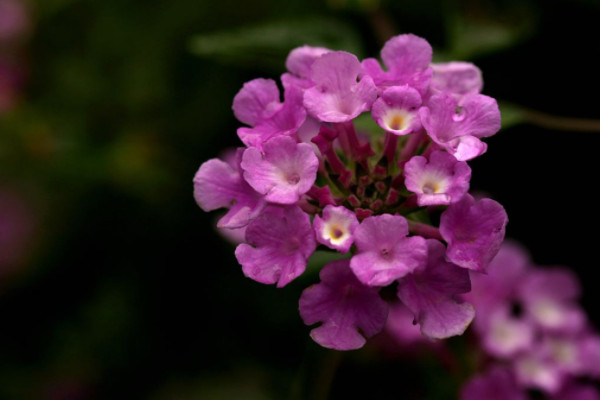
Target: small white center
<point x="336" y="232"/>
<point x="397" y="120"/>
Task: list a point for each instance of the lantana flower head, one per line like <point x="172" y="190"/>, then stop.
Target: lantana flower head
<point x="306" y="178"/>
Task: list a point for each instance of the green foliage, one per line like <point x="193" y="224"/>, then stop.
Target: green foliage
<point x="266" y="45"/>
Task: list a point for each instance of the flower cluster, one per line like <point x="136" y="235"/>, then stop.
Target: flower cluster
<point x="533" y="331"/>
<point x="393" y="201"/>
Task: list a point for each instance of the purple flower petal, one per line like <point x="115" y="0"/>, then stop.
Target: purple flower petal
<point x="549" y="298"/>
<point x="577" y="391"/>
<point x="474" y="231"/>
<point x="407" y="58"/>
<point x="533" y="370"/>
<point x="384" y="252"/>
<point x="280" y="241"/>
<point x="589" y="350"/>
<point x="218" y="185"/>
<point x="457" y="78"/>
<point x="337" y="96"/>
<point x="256" y="101"/>
<point x="458" y="127"/>
<point x="348" y="310"/>
<point x="336" y="228"/>
<point x="441" y="180"/>
<point x="430" y="293"/>
<point x="300" y="60"/>
<point x="284" y="120"/>
<point x="497" y="288"/>
<point x="496" y="384"/>
<point x="396" y="110"/>
<point x="283" y="172"/>
<point x="505" y="336"/>
<point x="402" y="328"/>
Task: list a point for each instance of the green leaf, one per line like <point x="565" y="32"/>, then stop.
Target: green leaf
<point x="267" y="45"/>
<point x="511" y="115"/>
<point x="476" y="34"/>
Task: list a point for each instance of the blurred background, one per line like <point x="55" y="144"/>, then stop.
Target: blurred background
<point x="114" y="284"/>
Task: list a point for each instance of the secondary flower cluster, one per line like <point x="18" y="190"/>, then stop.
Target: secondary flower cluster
<point x="535" y="333"/>
<point x="392" y="201"/>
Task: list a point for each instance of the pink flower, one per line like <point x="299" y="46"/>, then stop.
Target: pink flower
<point x="458" y="127"/>
<point x="280" y="241"/>
<point x="283" y="171"/>
<point x="549" y="298"/>
<point x="348" y="310"/>
<point x="337" y="96"/>
<point x="430" y="292"/>
<point x="299" y="63"/>
<point x="304" y="159"/>
<point x="384" y="252"/>
<point x="403" y="330"/>
<point x="474" y="231"/>
<point x="460" y="79"/>
<point x="336" y="228"/>
<point x="396" y="110"/>
<point x="257" y="104"/>
<point x="505" y="335"/>
<point x="407" y="58"/>
<point x="218" y="184"/>
<point x="441" y="180"/>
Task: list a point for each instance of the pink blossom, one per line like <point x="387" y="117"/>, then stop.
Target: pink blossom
<point x="474" y="231"/>
<point x="279" y="243"/>
<point x="337" y="96"/>
<point x="348" y="310"/>
<point x="407" y="58"/>
<point x="458" y="78"/>
<point x="440" y="180"/>
<point x="549" y="298"/>
<point x="283" y="171"/>
<point x="384" y="252"/>
<point x="430" y="292"/>
<point x="218" y="184"/>
<point x="299" y="64"/>
<point x="257" y="104"/>
<point x="336" y="228"/>
<point x="396" y="110"/>
<point x="458" y="127"/>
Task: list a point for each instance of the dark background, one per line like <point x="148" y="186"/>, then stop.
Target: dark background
<point x="124" y="290"/>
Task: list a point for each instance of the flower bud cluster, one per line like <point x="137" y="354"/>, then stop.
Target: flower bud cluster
<point x="392" y="200"/>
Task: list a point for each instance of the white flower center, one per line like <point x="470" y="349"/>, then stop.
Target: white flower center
<point x="397" y="119"/>
<point x="336" y="232"/>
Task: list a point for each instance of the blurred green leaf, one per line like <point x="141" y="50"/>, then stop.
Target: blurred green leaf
<point x="356" y="5"/>
<point x="488" y="30"/>
<point x="267" y="45"/>
<point x="511" y="115"/>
